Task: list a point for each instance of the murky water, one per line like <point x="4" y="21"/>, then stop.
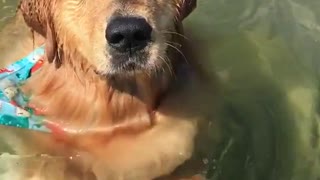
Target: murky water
<point x="7" y="9"/>
<point x="266" y="53"/>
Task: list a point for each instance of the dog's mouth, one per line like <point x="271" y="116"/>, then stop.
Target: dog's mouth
<point x="128" y="62"/>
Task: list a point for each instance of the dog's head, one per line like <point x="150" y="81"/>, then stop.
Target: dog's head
<point x="113" y="36"/>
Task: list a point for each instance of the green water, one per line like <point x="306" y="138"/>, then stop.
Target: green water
<point x="7" y="9"/>
<point x="266" y="54"/>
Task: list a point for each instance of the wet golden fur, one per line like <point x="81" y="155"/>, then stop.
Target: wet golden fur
<point x="140" y="125"/>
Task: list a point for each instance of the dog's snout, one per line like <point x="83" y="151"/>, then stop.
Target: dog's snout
<point x="128" y="34"/>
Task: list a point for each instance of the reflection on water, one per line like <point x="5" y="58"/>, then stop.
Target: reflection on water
<point x="266" y="53"/>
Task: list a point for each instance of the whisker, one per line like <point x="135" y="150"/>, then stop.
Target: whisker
<point x="167" y="64"/>
<point x="175" y="33"/>
<point x="148" y="74"/>
<point x="163" y="70"/>
<point x="155" y="70"/>
<point x="175" y="43"/>
<point x="172" y="71"/>
<point x="178" y="50"/>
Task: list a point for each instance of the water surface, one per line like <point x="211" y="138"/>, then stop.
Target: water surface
<point x="266" y="54"/>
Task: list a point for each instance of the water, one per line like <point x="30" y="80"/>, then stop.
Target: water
<point x="7" y="9"/>
<point x="266" y="53"/>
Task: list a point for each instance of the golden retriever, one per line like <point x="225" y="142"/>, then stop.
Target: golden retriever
<point x="121" y="85"/>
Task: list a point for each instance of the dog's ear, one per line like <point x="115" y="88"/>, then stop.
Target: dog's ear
<point x="185" y="8"/>
<point x="38" y="16"/>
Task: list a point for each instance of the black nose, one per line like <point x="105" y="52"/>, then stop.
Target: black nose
<point x="128" y="34"/>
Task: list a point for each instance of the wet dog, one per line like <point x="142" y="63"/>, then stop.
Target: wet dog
<point x="120" y="81"/>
